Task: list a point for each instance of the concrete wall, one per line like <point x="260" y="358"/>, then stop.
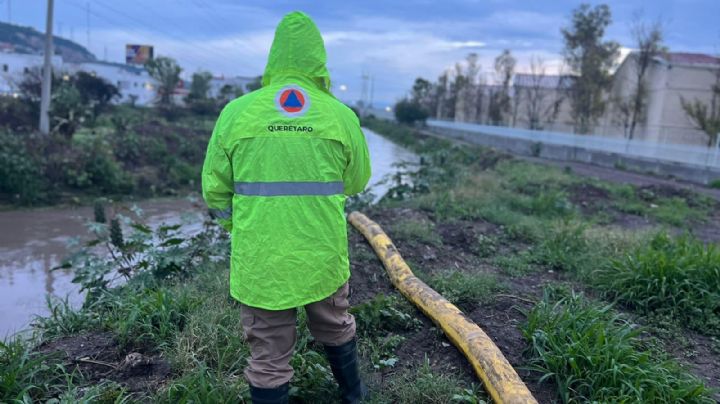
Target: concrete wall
<point x="686" y="172"/>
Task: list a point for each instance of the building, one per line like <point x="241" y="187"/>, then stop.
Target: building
<point x="133" y="82"/>
<point x="539" y="101"/>
<point x="670" y="78"/>
<point x="217" y="83"/>
<point x="14" y="67"/>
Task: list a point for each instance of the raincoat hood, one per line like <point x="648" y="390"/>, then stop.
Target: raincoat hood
<point x="298" y="49"/>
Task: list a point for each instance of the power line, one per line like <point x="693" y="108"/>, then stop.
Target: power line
<point x="113" y="22"/>
<point x="144" y="24"/>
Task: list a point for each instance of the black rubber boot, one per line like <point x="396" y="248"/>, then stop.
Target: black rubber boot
<point x="277" y="395"/>
<point x="344" y="364"/>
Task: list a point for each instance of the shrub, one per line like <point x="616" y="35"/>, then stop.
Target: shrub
<point x="409" y="112"/>
<point x="21" y="174"/>
<point x="679" y="277"/>
<point x="594" y="355"/>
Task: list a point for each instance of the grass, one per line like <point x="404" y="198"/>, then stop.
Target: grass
<point x="676" y="277"/>
<point x="423" y="385"/>
<point x="595" y="355"/>
<point x="414" y="231"/>
<point x="463" y="289"/>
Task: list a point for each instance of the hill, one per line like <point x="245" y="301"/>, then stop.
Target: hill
<point x="28" y="40"/>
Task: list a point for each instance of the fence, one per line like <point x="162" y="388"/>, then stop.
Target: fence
<point x="686" y="154"/>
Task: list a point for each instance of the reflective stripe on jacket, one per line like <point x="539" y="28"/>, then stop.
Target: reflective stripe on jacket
<point x="279" y="165"/>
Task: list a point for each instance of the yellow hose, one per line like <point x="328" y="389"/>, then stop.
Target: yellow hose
<point x="500" y="379"/>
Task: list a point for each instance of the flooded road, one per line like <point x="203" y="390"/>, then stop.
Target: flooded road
<point x="33" y="241"/>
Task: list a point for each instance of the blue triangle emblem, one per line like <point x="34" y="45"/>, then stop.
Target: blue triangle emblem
<point x="292" y="101"/>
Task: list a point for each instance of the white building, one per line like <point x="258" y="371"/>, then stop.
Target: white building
<point x="14" y="67"/>
<point x="217" y="83"/>
<point x="669" y="79"/>
<point x="133" y="82"/>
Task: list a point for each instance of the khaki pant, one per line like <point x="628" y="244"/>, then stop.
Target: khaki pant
<point x="271" y="335"/>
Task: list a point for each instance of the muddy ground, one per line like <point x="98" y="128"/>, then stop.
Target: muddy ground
<point x="99" y="357"/>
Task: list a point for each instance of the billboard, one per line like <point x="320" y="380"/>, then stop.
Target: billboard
<point x="138" y="54"/>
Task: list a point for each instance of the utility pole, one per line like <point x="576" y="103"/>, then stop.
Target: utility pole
<point x="372" y="90"/>
<point x="87" y="20"/>
<point x="47" y="72"/>
<point x="364" y="91"/>
<point x="9" y="11"/>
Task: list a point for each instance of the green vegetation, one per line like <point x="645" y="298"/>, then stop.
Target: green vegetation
<point x="463" y="289"/>
<point x="481" y="228"/>
<point x="674" y="277"/>
<point x="129" y="153"/>
<point x="549" y="220"/>
<point x="595" y="355"/>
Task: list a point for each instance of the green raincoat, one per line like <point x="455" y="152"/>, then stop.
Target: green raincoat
<point x="279" y="165"/>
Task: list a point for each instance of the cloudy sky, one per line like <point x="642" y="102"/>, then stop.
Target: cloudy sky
<point x="392" y="41"/>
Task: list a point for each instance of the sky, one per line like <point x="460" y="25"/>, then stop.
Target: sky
<point x="391" y="41"/>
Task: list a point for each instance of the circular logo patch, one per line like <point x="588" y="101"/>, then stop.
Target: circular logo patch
<point x="292" y="101"/>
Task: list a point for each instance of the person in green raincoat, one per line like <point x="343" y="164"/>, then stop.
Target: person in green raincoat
<point x="279" y="165"/>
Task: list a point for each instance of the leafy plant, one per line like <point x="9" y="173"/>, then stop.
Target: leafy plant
<point x="163" y="252"/>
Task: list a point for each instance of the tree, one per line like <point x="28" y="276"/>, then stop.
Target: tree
<point x="706" y="117"/>
<point x="464" y="89"/>
<point x="409" y="112"/>
<point x="94" y="91"/>
<point x="441" y="96"/>
<point x="500" y="105"/>
<point x="75" y="98"/>
<point x="166" y="72"/>
<point x="200" y="86"/>
<point x="590" y="58"/>
<point x="422" y="94"/>
<point x="255" y="84"/>
<point x="227" y="93"/>
<point x="197" y="99"/>
<point x="648" y="39"/>
<point x="539" y="107"/>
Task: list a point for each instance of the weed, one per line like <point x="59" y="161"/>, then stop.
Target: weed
<point x="463" y="289"/>
<point x="423" y="385"/>
<point x="564" y="247"/>
<point x="679" y="277"/>
<point x="64" y="320"/>
<point x="516" y="264"/>
<point x="143" y="316"/>
<point x="25" y="376"/>
<point x="593" y="354"/>
<point x="384" y="314"/>
<point x="203" y="385"/>
<point x="416" y="231"/>
<point x="485" y="246"/>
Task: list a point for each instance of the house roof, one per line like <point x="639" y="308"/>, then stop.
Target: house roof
<point x="686" y="58"/>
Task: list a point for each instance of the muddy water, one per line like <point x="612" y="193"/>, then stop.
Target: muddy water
<point x="35" y="240"/>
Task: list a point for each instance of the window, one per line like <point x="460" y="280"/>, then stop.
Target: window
<point x="26" y="70"/>
<point x="5" y="67"/>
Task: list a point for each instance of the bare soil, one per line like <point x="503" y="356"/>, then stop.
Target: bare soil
<point x="97" y="355"/>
